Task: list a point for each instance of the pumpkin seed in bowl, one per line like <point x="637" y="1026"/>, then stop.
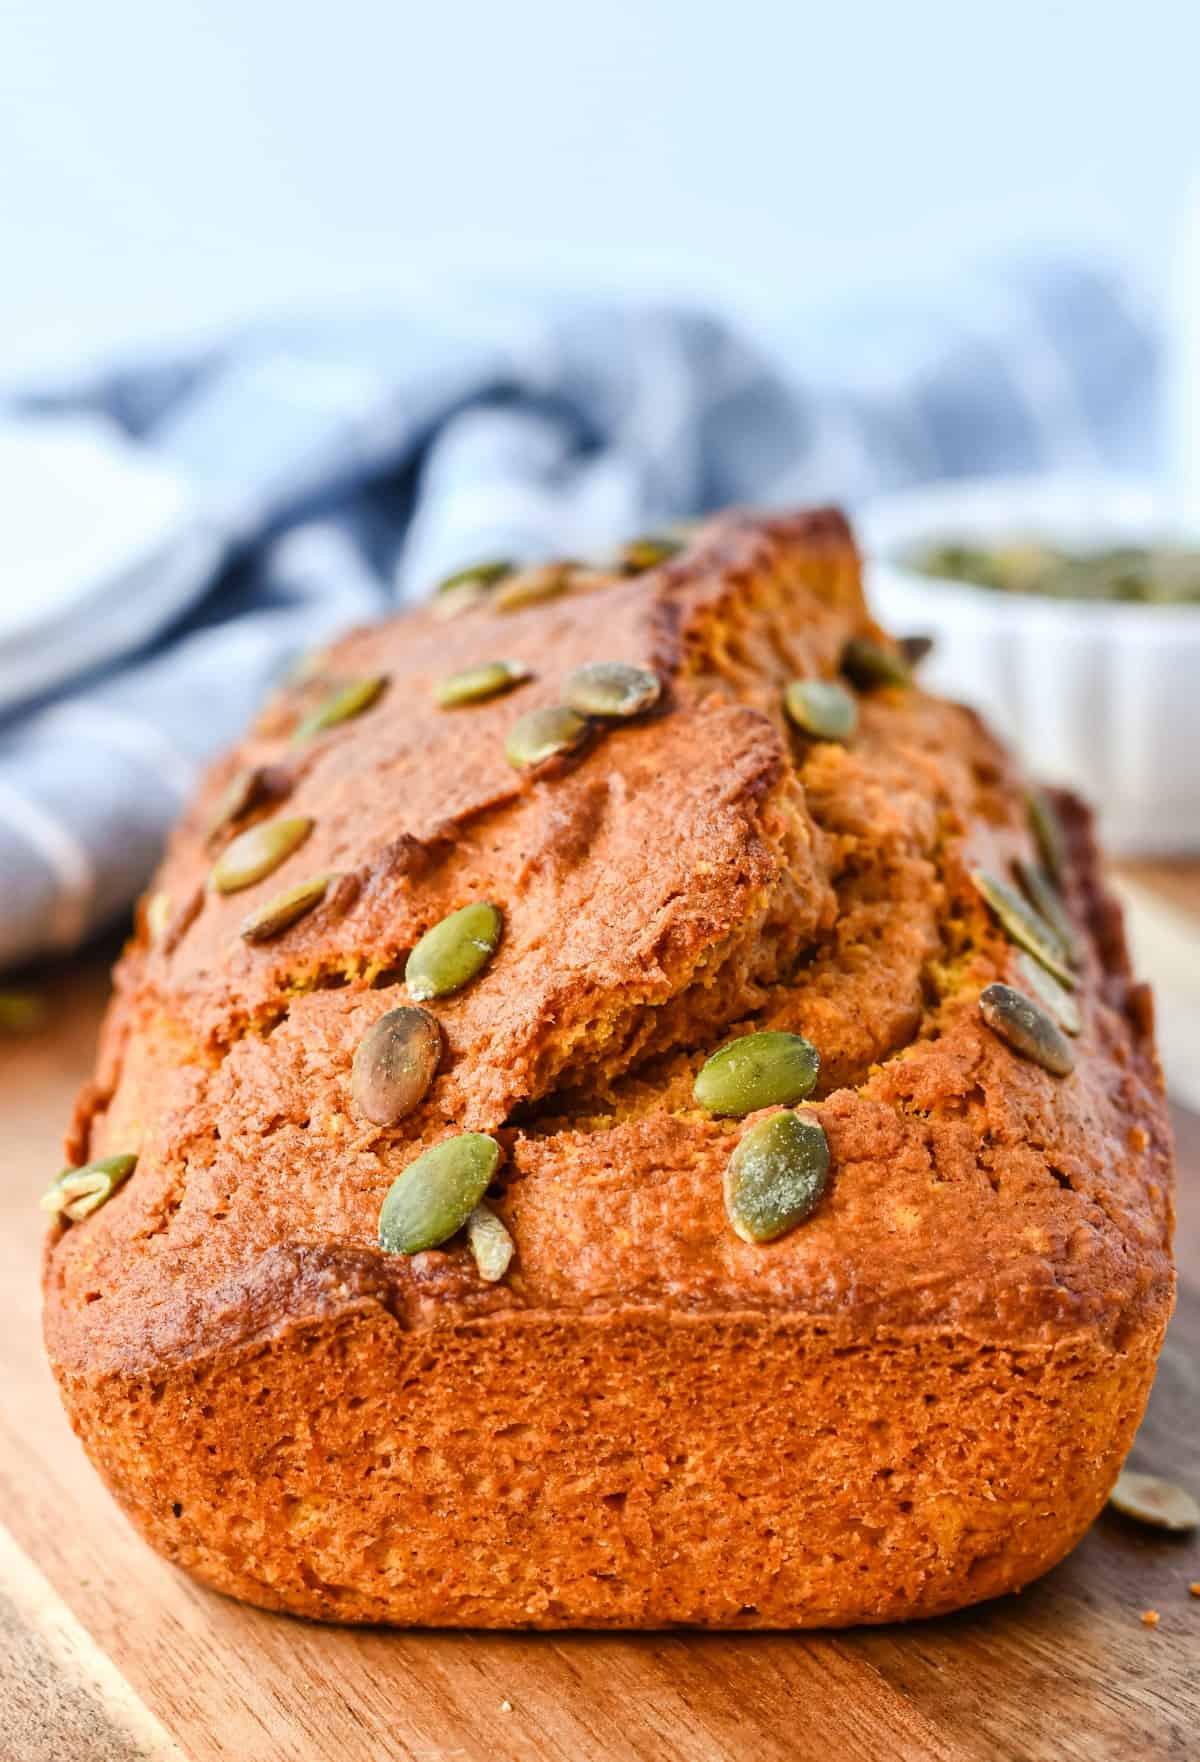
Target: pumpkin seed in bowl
<point x="1163" y="574"/>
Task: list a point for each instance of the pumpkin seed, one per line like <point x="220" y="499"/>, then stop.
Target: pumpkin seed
<point x="1160" y="1504"/>
<point x="458" y="600"/>
<point x="490" y="1243"/>
<point x="341" y="705"/>
<point x="158" y="915"/>
<point x="1024" y="926"/>
<point x="437" y="1193"/>
<point x="476" y="575"/>
<point x="1025" y="1027"/>
<point x="395" y="1064"/>
<point x="1161" y="574"/>
<point x="915" y="649"/>
<point x="245" y="789"/>
<point x="821" y="708"/>
<point x="586" y="580"/>
<point x="1048" y="832"/>
<point x="21" y="1012"/>
<point x="1045" y="898"/>
<point x="776" y="1176"/>
<point x="256" y="852"/>
<point x="77" y="1193"/>
<point x="454" y="951"/>
<point x="611" y="688"/>
<point x="284" y="910"/>
<point x="868" y="664"/>
<point x="1046" y="990"/>
<point x="474" y="685"/>
<point x="545" y="734"/>
<point x="758" y="1070"/>
<point x="648" y="552"/>
<point x="529" y="587"/>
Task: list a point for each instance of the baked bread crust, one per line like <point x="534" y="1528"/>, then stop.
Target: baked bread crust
<point x="918" y="1398"/>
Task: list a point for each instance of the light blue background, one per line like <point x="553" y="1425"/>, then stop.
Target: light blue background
<point x="170" y="163"/>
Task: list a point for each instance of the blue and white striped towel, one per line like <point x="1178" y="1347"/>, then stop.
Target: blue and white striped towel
<point x="182" y="530"/>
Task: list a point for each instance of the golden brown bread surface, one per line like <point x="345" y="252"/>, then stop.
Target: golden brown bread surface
<point x="918" y="1398"/>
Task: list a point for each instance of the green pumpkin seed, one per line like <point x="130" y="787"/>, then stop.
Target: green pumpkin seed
<point x="545" y="734"/>
<point x="255" y="853"/>
<point x="342" y="705"/>
<point x="648" y="552"/>
<point x="1046" y="990"/>
<point x="490" y="1243"/>
<point x="868" y="664"/>
<point x="776" y="1176"/>
<point x="1025" y="1027"/>
<point x="474" y="685"/>
<point x="1160" y="1504"/>
<point x="437" y="1193"/>
<point x="454" y="951"/>
<point x="395" y="1064"/>
<point x="1045" y="898"/>
<point x="158" y="915"/>
<point x="821" y="708"/>
<point x="476" y="575"/>
<point x="586" y="580"/>
<point x="284" y="910"/>
<point x="529" y="587"/>
<point x="460" y="599"/>
<point x="1048" y="832"/>
<point x="915" y="649"/>
<point x="21" y="1012"/>
<point x="611" y="688"/>
<point x="77" y="1193"/>
<point x="245" y="790"/>
<point x="757" y="1070"/>
<point x="1024" y="926"/>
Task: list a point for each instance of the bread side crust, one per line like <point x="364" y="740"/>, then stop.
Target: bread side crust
<point x="639" y="1469"/>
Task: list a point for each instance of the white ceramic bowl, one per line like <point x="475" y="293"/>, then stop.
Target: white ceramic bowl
<point x="1104" y="698"/>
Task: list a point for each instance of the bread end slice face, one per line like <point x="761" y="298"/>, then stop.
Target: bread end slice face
<point x="627" y="1470"/>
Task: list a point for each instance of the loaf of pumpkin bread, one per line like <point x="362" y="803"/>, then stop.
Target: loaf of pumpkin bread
<point x="620" y="1110"/>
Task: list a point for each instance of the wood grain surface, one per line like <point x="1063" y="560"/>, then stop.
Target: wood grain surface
<point x="109" y="1655"/>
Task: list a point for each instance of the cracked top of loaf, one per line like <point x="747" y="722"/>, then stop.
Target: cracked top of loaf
<point x="690" y="876"/>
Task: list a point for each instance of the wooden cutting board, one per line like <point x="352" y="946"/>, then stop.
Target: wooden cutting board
<point x="109" y="1655"/>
